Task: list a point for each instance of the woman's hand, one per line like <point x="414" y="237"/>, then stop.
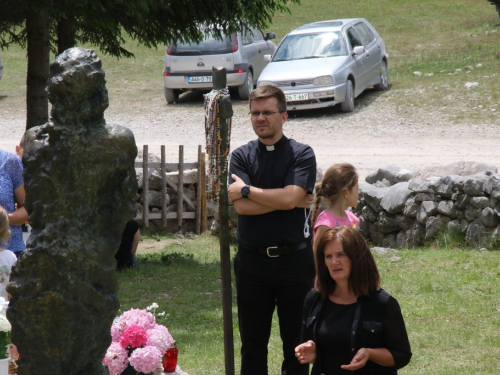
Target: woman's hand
<point x="306" y="352"/>
<point x="359" y="360"/>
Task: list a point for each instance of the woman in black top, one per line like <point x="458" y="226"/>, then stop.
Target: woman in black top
<point x="350" y="323"/>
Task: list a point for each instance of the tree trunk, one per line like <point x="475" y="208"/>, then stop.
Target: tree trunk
<point x="37" y="26"/>
<point x="65" y="34"/>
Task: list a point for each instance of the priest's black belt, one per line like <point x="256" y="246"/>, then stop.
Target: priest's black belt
<point x="275" y="251"/>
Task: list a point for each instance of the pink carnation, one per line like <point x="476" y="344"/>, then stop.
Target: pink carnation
<point x="160" y="338"/>
<point x="133" y="337"/>
<point x="116" y="359"/>
<point x="136" y="317"/>
<point x="116" y="331"/>
<point x="146" y="359"/>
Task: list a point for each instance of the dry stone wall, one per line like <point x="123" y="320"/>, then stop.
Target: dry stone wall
<point x="398" y="208"/>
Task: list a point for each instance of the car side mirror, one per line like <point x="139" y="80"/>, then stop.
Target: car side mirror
<point x="270" y="36"/>
<point x="359" y="50"/>
<point x="267" y="58"/>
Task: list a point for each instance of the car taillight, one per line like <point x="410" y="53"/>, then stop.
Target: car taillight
<point x="166" y="74"/>
<point x="169" y="51"/>
<point x="238" y="70"/>
<point x="234" y="43"/>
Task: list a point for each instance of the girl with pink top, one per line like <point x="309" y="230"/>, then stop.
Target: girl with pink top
<point x="339" y="190"/>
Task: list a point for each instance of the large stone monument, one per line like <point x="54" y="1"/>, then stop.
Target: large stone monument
<point x="80" y="185"/>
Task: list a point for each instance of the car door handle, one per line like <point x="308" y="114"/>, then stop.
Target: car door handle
<point x="259" y="51"/>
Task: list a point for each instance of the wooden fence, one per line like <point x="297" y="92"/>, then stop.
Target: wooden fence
<point x="199" y="207"/>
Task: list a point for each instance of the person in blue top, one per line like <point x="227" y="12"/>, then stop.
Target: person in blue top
<point x="12" y="197"/>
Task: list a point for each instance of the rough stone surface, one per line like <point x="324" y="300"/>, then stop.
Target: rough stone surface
<point x="492" y="186"/>
<point x="476" y="234"/>
<point x="426" y="210"/>
<point x="489" y="218"/>
<point x="373" y="195"/>
<point x="479" y="202"/>
<point x="411" y="207"/>
<point x="391" y="173"/>
<point x="433" y="226"/>
<point x="461" y="168"/>
<point x="448" y="208"/>
<point x="80" y="183"/>
<point x="415" y="236"/>
<point x="395" y="199"/>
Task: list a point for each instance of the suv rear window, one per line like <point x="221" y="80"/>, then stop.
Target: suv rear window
<point x="208" y="46"/>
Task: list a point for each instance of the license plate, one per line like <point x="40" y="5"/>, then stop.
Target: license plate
<point x="200" y="79"/>
<point x="294" y="97"/>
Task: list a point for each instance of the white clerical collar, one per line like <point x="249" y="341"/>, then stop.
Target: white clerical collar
<point x="270" y="148"/>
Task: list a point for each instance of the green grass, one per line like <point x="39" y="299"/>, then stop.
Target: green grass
<point x="450" y="299"/>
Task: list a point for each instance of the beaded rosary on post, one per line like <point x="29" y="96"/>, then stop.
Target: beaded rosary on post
<point x="217" y="161"/>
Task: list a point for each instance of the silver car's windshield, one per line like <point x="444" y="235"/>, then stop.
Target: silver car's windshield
<point x="309" y="46"/>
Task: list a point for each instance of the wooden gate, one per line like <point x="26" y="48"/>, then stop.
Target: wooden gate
<point x="199" y="206"/>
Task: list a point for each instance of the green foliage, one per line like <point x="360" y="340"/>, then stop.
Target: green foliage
<point x="105" y="23"/>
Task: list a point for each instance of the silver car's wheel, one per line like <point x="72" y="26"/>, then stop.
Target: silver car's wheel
<point x="246" y="88"/>
<point x="171" y="96"/>
<point x="384" y="78"/>
<point x="348" y="104"/>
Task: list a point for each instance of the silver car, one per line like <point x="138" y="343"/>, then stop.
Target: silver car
<point x="325" y="63"/>
<point x="189" y="66"/>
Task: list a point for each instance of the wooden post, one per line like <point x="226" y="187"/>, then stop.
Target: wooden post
<point x="198" y="194"/>
<point x="145" y="186"/>
<point x="163" y="188"/>
<point x="204" y="223"/>
<point x="226" y="111"/>
<point x="180" y="191"/>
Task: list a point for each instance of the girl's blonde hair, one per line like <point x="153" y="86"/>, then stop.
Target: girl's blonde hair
<point x="4" y="227"/>
<point x="337" y="179"/>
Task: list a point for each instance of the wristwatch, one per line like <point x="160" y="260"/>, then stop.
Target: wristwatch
<point x="245" y="190"/>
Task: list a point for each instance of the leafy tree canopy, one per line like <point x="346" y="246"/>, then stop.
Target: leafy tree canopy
<point x="104" y="23"/>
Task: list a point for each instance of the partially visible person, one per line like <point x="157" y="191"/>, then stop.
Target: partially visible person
<point x="125" y="257"/>
<point x="25" y="226"/>
<point x="272" y="182"/>
<point x="349" y="323"/>
<point x="12" y="197"/>
<point x="7" y="257"/>
<point x="339" y="191"/>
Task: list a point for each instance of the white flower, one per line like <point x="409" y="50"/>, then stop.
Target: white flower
<point x="3" y="304"/>
<point x="154" y="305"/>
<point x="4" y="324"/>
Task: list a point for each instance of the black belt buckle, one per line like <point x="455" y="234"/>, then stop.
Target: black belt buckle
<point x="269" y="254"/>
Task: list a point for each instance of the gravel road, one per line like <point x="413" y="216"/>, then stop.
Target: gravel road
<point x="376" y="134"/>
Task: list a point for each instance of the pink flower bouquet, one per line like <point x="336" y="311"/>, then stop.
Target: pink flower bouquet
<point x="138" y="341"/>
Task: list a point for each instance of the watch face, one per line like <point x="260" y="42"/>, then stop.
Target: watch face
<point x="245" y="190"/>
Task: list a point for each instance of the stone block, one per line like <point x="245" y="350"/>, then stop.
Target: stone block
<point x="433" y="227"/>
<point x="411" y="207"/>
<point x="373" y="195"/>
<point x="426" y="210"/>
<point x="448" y="208"/>
<point x="480" y="202"/>
<point x="477" y="234"/>
<point x="489" y="218"/>
<point x="395" y="198"/>
<point x="415" y="236"/>
<point x="387" y="223"/>
<point x="391" y="173"/>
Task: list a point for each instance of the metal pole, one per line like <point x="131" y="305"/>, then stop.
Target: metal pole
<point x="226" y="111"/>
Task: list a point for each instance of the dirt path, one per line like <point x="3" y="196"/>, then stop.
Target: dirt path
<point x="376" y="134"/>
